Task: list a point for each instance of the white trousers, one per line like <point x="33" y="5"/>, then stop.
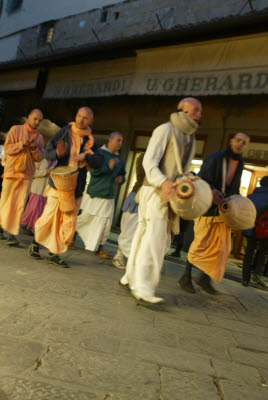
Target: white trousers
<point x="128" y="225"/>
<point x="151" y="242"/>
<point x="93" y="229"/>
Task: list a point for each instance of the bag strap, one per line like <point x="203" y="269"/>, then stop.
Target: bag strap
<point x="176" y="152"/>
<point x="224" y="168"/>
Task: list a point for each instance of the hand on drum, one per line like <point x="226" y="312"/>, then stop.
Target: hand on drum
<point x="217" y="196"/>
<point x="167" y="189"/>
<point x="61" y="149"/>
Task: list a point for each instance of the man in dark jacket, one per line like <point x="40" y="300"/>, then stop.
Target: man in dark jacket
<point x="95" y="221"/>
<point x="212" y="238"/>
<point x="72" y="146"/>
<point x="260" y="199"/>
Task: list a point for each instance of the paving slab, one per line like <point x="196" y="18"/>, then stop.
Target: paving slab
<point x="178" y="385"/>
<point x="235" y="372"/>
<point x="257" y="359"/>
<point x="19" y="354"/>
<point x="251" y="342"/>
<point x="164" y="356"/>
<point x="21" y="389"/>
<point x="238" y="326"/>
<point x="100" y="371"/>
<point x="235" y="391"/>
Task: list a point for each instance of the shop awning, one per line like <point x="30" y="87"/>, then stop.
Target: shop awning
<point x="96" y="79"/>
<point x="219" y="67"/>
<point x="18" y="80"/>
<point x="222" y="67"/>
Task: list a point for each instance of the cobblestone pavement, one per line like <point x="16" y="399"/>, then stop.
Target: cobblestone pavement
<point x="76" y="334"/>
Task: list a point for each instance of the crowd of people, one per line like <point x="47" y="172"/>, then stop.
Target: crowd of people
<point x="31" y="199"/>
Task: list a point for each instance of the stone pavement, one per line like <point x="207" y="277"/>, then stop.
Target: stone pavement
<point x="76" y="334"/>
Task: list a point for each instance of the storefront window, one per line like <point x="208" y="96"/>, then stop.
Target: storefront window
<point x="245" y="180"/>
<point x="195" y="166"/>
<point x="132" y="176"/>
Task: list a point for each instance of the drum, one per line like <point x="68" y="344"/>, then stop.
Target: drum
<point x="192" y="198"/>
<point x="238" y="212"/>
<point x="65" y="180"/>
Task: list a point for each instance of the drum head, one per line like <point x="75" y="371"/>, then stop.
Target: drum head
<point x="185" y="189"/>
<point x="225" y="206"/>
<point x="64" y="171"/>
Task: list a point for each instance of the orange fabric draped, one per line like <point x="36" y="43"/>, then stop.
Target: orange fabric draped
<point x="77" y="136"/>
<point x="55" y="229"/>
<point x="211" y="246"/>
<point x="13" y="198"/>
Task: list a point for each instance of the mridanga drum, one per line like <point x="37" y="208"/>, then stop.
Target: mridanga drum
<point x="238" y="212"/>
<point x="65" y="180"/>
<point x="192" y="197"/>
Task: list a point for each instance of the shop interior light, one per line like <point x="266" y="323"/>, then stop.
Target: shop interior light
<point x="49" y="34"/>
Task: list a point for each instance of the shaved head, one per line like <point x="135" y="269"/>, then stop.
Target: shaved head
<point x="86" y="109"/>
<point x="84" y="117"/>
<point x="192" y="107"/>
<point x="36" y="111"/>
<point x="34" y="118"/>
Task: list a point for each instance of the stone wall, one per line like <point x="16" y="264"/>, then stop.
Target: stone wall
<point x="124" y="21"/>
<point x="34" y="12"/>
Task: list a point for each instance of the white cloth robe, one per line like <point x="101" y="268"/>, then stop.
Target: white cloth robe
<point x="152" y="238"/>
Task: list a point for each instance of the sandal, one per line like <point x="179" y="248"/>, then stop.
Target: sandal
<point x="34" y="251"/>
<point x="55" y="259"/>
<point x="102" y="254"/>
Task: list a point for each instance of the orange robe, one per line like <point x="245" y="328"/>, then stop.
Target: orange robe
<point x="211" y="246"/>
<point x="55" y="228"/>
<point x="16" y="184"/>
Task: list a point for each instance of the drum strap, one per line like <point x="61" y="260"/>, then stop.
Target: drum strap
<point x="224" y="168"/>
<point x="176" y="153"/>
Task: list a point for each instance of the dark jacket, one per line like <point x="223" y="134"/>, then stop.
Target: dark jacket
<point x="260" y="200"/>
<point x="93" y="160"/>
<point x="211" y="172"/>
<point x="102" y="183"/>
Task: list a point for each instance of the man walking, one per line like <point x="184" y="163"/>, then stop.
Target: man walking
<point x="129" y="219"/>
<point x="211" y="245"/>
<point x="95" y="221"/>
<point x="74" y="146"/>
<point x="23" y="147"/>
<point x="152" y="237"/>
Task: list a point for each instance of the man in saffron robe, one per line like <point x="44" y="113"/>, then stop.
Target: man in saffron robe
<point x="23" y="147"/>
<point x="212" y="237"/>
<point x="72" y="146"/>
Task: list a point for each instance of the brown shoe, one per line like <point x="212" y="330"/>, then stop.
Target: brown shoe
<point x="102" y="254"/>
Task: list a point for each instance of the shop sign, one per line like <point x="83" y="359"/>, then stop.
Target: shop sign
<point x="220" y="83"/>
<point x="92" y="88"/>
<point x="195" y="84"/>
